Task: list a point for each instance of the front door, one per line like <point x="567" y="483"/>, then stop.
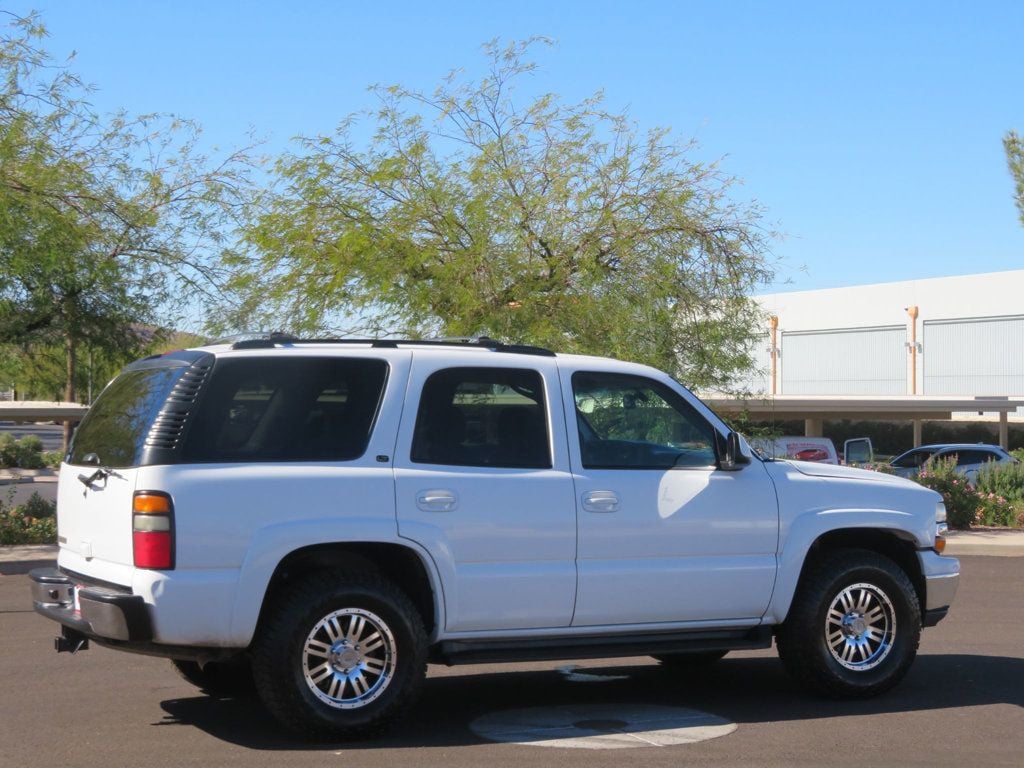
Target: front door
<point x="664" y="536"/>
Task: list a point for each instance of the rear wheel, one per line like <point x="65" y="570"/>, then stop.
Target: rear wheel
<point x="854" y="626"/>
<point x="340" y="654"/>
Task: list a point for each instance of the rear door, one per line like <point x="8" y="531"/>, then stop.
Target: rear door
<point x="483" y="484"/>
<point x="97" y="480"/>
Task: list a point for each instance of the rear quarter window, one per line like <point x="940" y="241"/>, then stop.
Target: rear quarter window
<point x="117" y="423"/>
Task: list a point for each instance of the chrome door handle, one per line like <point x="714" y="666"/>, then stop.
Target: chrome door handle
<point x="436" y="501"/>
<point x="601" y="501"/>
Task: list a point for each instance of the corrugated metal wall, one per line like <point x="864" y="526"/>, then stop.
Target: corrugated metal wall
<point x="854" y="361"/>
<point x="973" y="356"/>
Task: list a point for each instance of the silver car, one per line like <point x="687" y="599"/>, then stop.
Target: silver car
<point x="970" y="457"/>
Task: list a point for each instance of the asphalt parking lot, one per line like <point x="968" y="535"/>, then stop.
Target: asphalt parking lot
<point x="962" y="704"/>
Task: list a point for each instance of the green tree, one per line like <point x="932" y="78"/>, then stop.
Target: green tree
<point x="1015" y="159"/>
<point x="107" y="225"/>
<point x="551" y="223"/>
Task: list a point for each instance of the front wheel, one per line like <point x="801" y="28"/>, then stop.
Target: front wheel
<point x="854" y="626"/>
<point x="340" y="654"/>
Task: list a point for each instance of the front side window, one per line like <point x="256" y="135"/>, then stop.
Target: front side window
<point x="483" y="417"/>
<point x="913" y="459"/>
<point x="630" y="422"/>
<point x="286" y="409"/>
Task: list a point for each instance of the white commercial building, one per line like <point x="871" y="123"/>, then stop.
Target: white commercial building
<point x="941" y="336"/>
<point x="940" y="348"/>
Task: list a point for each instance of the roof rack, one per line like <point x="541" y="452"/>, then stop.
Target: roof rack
<point x="484" y="342"/>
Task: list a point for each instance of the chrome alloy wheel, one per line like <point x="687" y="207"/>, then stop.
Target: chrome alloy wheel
<point x="348" y="658"/>
<point x="860" y="627"/>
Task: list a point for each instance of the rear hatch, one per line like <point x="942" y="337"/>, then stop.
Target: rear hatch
<point x="138" y="419"/>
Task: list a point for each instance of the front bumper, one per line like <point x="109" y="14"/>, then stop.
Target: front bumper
<point x="941" y="578"/>
<point x="103" y="613"/>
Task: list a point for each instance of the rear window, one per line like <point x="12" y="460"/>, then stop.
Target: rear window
<point x="116" y="426"/>
<point x="286" y="409"/>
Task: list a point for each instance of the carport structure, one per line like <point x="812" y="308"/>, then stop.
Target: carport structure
<point x="814" y="410"/>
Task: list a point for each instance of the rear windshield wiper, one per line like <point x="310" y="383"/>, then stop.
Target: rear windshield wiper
<point x="101" y="472"/>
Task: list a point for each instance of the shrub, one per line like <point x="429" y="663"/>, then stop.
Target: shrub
<point x="52" y="459"/>
<point x="38" y="507"/>
<point x="995" y="510"/>
<point x="961" y="500"/>
<point x="19" y="526"/>
<point x="1006" y="480"/>
<point x="885" y="469"/>
<point x="26" y="453"/>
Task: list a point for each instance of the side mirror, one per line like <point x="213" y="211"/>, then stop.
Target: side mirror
<point x="733" y="458"/>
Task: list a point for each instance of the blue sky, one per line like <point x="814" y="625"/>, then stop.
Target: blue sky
<point x="870" y="131"/>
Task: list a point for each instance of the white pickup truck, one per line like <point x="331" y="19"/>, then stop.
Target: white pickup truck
<point x="322" y="518"/>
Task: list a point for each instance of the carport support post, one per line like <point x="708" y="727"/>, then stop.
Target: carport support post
<point x="813" y="427"/>
<point x="1004" y="432"/>
<point x="917" y="432"/>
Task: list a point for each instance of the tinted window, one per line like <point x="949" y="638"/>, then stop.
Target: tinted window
<point x="116" y="426"/>
<point x="286" y="409"/>
<point x="629" y="422"/>
<point x="912" y="459"/>
<point x="973" y="457"/>
<point x="482" y="417"/>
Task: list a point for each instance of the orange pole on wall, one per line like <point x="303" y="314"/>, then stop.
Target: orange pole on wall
<point x="912" y="311"/>
<point x="775" y="350"/>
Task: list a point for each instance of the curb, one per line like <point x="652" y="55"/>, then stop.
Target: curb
<point x="19" y="559"/>
<point x="18" y="476"/>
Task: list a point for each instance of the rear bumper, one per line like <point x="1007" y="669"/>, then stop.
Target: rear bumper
<point x="101" y="613"/>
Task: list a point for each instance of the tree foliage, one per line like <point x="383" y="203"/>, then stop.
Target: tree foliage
<point x="550" y="223"/>
<point x="108" y="225"/>
<point x="1015" y="159"/>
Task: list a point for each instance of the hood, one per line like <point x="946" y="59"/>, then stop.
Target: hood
<point x="818" y="469"/>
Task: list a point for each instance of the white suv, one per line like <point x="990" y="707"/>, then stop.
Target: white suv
<point x="324" y="517"/>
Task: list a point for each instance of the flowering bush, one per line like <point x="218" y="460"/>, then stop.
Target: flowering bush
<point x="995" y="510"/>
<point x="962" y="501"/>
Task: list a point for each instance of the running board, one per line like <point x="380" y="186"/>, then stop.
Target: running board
<point x="454" y="652"/>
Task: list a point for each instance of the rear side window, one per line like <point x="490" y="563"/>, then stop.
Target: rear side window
<point x="286" y="409"/>
<point x="974" y="457"/>
<point x="483" y="417"/>
<point x="117" y="423"/>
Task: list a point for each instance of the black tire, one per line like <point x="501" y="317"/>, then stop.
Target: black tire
<point x="339" y="655"/>
<point x="868" y="643"/>
<point x="694" y="660"/>
<point x="232" y="677"/>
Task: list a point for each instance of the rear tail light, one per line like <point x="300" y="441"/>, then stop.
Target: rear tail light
<point x="153" y="530"/>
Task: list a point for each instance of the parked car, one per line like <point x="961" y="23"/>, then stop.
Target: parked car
<point x="798" y="447"/>
<point x="322" y="518"/>
<point x="970" y="458"/>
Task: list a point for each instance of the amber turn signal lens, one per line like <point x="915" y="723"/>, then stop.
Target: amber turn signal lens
<point x="151" y="504"/>
<point x="940" y="544"/>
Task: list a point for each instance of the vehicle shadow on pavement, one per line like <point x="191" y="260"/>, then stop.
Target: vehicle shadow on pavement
<point x="743" y="690"/>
